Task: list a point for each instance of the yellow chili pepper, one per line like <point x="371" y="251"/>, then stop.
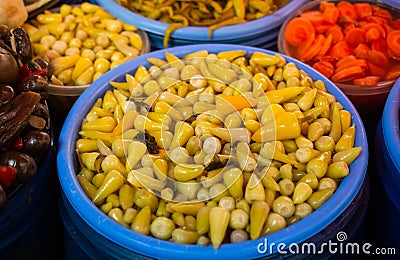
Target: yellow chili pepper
<point x="203" y="220"/>
<point x="348" y="155"/>
<point x="141" y="223"/>
<point x="89" y="189"/>
<point x="258" y="215"/>
<point x="111" y="183"/>
<point x="336" y="129"/>
<point x="320" y="197"/>
<point x="187" y="208"/>
<point x="254" y="190"/>
<point x="264" y="59"/>
<point x="283" y="95"/>
<point x="219" y="221"/>
<point x="185" y="172"/>
<point x="286" y="126"/>
<point x="182" y="132"/>
<point x="347" y="139"/>
<point x="234" y="180"/>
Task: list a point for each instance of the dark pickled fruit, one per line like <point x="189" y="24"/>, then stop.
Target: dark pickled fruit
<point x="25" y="164"/>
<point x="36" y="143"/>
<point x="35" y="83"/>
<point x="8" y="67"/>
<point x="8" y="174"/>
<point x="20" y="40"/>
<point x="6" y="94"/>
<point x="3" y="199"/>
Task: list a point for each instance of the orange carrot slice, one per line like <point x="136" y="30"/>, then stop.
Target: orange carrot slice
<point x="361" y="51"/>
<point x="366" y="81"/>
<point x="363" y="10"/>
<point x="380" y="45"/>
<point x="348" y="74"/>
<point x="355" y="36"/>
<point x="375" y="70"/>
<point x="337" y="33"/>
<point x="298" y="31"/>
<point x="324" y="67"/>
<point x="331" y="14"/>
<point x="378" y="58"/>
<point x="347" y="9"/>
<point x="325" y="48"/>
<point x="341" y="50"/>
<point x="315" y="48"/>
<point x="393" y="41"/>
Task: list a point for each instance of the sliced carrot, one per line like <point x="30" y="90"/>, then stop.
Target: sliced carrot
<point x="393" y="73"/>
<point x="366" y="81"/>
<point x="355" y="36"/>
<point x="355" y="63"/>
<point x="331" y="14"/>
<point x="393" y="54"/>
<point x="337" y="33"/>
<point x="363" y="10"/>
<point x="341" y="50"/>
<point x="361" y="51"/>
<point x="329" y="59"/>
<point x="324" y="67"/>
<point x="298" y="31"/>
<point x="378" y="58"/>
<point x="317" y="19"/>
<point x="345" y="60"/>
<point x="347" y="9"/>
<point x="348" y="74"/>
<point x="395" y="24"/>
<point x="377" y="27"/>
<point x="375" y="19"/>
<point x="309" y="53"/>
<point x="380" y="12"/>
<point x="380" y="45"/>
<point x="372" y="35"/>
<point x="348" y="28"/>
<point x="393" y="41"/>
<point x="324" y="5"/>
<point x="325" y="48"/>
<point x="387" y="28"/>
<point x="375" y="70"/>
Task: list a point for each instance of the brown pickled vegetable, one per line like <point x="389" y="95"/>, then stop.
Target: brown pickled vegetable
<point x="211" y="14"/>
<point x="209" y="178"/>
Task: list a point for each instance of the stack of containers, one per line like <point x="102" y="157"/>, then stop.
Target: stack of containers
<point x="387" y="158"/>
<point x="262" y="33"/>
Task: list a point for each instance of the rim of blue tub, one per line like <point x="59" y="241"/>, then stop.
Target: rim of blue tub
<point x="197" y="33"/>
<point x="394" y="3"/>
<point x="152" y="247"/>
<point x="390" y="126"/>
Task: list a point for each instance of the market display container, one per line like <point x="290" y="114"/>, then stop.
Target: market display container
<point x="261" y="32"/>
<point x="94" y="234"/>
<point x="369" y="100"/>
<point x="387" y="160"/>
<point x="30" y="225"/>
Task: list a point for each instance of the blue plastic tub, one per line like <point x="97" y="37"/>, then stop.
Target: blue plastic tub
<point x="30" y="224"/>
<point x="387" y="157"/>
<point x="234" y="34"/>
<point x="317" y="224"/>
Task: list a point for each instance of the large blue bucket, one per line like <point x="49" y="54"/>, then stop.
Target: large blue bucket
<point x="387" y="157"/>
<point x="30" y="224"/>
<point x="344" y="211"/>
